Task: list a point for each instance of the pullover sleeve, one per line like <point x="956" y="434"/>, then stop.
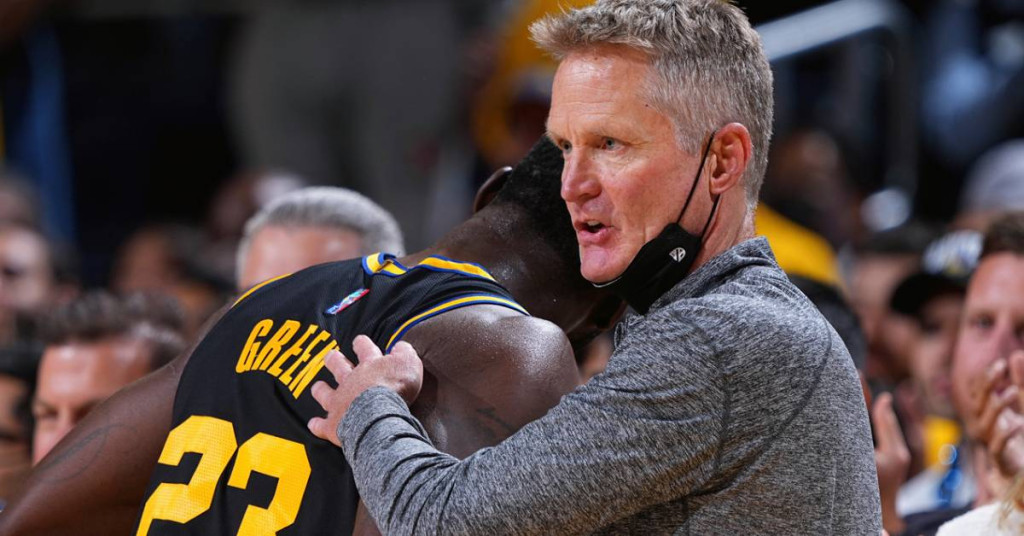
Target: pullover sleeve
<point x="646" y="431"/>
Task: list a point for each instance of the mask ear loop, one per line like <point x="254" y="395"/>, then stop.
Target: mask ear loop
<point x="696" y="180"/>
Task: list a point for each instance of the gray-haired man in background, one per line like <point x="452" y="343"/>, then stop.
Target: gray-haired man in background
<point x="312" y="226"/>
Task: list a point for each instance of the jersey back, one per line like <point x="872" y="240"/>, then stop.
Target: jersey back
<point x="239" y="458"/>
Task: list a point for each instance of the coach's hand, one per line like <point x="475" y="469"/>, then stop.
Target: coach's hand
<point x="401" y="371"/>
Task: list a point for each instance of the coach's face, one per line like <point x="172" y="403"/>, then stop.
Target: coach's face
<point x="625" y="174"/>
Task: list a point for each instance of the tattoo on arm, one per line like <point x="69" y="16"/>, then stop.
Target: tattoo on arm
<point x="491" y="415"/>
<point x="83" y="453"/>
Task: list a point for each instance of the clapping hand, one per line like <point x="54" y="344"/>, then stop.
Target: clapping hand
<point x="998" y="420"/>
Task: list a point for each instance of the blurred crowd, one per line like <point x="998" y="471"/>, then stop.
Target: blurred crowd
<point x="156" y="158"/>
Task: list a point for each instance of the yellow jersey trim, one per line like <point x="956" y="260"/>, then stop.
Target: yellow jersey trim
<point x="455" y="303"/>
<point x="381" y="263"/>
<point x="257" y="287"/>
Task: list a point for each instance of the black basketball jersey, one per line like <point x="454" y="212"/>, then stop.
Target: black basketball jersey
<point x="239" y="458"/>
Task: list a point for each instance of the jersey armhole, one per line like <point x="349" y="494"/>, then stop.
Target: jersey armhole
<point x="257" y="287"/>
<point x="457" y="302"/>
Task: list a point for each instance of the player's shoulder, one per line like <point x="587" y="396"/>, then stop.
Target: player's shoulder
<point x="488" y="335"/>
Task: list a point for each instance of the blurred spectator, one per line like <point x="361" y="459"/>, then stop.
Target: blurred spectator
<point x="168" y="259"/>
<point x="933" y="298"/>
<point x="18" y="364"/>
<point x="997" y="519"/>
<point x="312" y="226"/>
<point x="881" y="263"/>
<point x="510" y="111"/>
<point x="994" y="185"/>
<point x="367" y="118"/>
<point x="985" y="394"/>
<point x="990" y="334"/>
<point x="34" y="275"/>
<point x="18" y="201"/>
<point x="807" y="181"/>
<point x="798" y="250"/>
<point x="95" y="346"/>
<point x="234" y="203"/>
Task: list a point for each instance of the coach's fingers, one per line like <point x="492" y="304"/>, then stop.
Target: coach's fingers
<point x="322" y="429"/>
<point x="365" y="349"/>
<point x="338" y="365"/>
<point x="405" y="351"/>
<point x="322" y="394"/>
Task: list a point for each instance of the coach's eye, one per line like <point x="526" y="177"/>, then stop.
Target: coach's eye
<point x="565" y="146"/>
<point x="609" y="144"/>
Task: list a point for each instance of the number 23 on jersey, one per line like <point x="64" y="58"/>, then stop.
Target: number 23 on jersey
<point x="214" y="440"/>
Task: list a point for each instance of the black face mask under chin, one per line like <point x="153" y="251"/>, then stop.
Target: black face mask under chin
<point x="663" y="261"/>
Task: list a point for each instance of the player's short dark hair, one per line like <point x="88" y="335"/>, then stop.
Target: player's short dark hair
<point x="1005" y="234"/>
<point x="535" y="187"/>
<point x="98" y="315"/>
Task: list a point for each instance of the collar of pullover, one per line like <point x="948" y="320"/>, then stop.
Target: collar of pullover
<point x="755" y="251"/>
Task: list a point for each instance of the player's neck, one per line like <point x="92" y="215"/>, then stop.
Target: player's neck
<point x="496" y="243"/>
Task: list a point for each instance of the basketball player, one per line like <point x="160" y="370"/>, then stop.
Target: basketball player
<point x="233" y="455"/>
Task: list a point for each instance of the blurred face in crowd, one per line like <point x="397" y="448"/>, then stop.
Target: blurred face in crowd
<point x="276" y="250"/>
<point x="75" y="377"/>
<point x="146" y="262"/>
<point x="626" y="176"/>
<point x="14" y="440"/>
<point x="993" y="322"/>
<point x="888" y="335"/>
<point x="26" y="275"/>
<point x="931" y="352"/>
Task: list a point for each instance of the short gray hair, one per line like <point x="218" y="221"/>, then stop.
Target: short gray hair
<point x="710" y="64"/>
<point x="328" y="207"/>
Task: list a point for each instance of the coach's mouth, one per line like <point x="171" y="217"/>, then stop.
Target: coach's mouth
<point x="591" y="231"/>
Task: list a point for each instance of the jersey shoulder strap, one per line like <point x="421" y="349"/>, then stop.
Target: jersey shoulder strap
<point x="435" y="286"/>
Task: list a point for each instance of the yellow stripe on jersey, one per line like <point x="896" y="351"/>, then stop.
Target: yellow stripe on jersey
<point x="463" y="301"/>
<point x="387" y="264"/>
<point x="455" y="266"/>
<point x="372" y="263"/>
<point x="257" y="287"/>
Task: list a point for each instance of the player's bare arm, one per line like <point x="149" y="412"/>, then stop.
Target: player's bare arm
<point x="522" y="370"/>
<point x="94" y="480"/>
<point x="511" y="369"/>
<point x="488" y="372"/>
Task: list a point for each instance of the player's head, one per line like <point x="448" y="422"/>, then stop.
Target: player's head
<point x="94" y="346"/>
<point x="312" y="226"/>
<point x="992" y="323"/>
<point x="525" y="203"/>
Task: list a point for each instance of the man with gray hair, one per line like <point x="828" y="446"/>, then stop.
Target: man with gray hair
<point x="313" y="226"/>
<point x="730" y="405"/>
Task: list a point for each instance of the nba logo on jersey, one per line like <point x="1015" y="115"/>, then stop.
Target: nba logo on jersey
<point x="349" y="300"/>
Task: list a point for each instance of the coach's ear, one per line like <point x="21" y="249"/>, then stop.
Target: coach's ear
<point x="490" y="188"/>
